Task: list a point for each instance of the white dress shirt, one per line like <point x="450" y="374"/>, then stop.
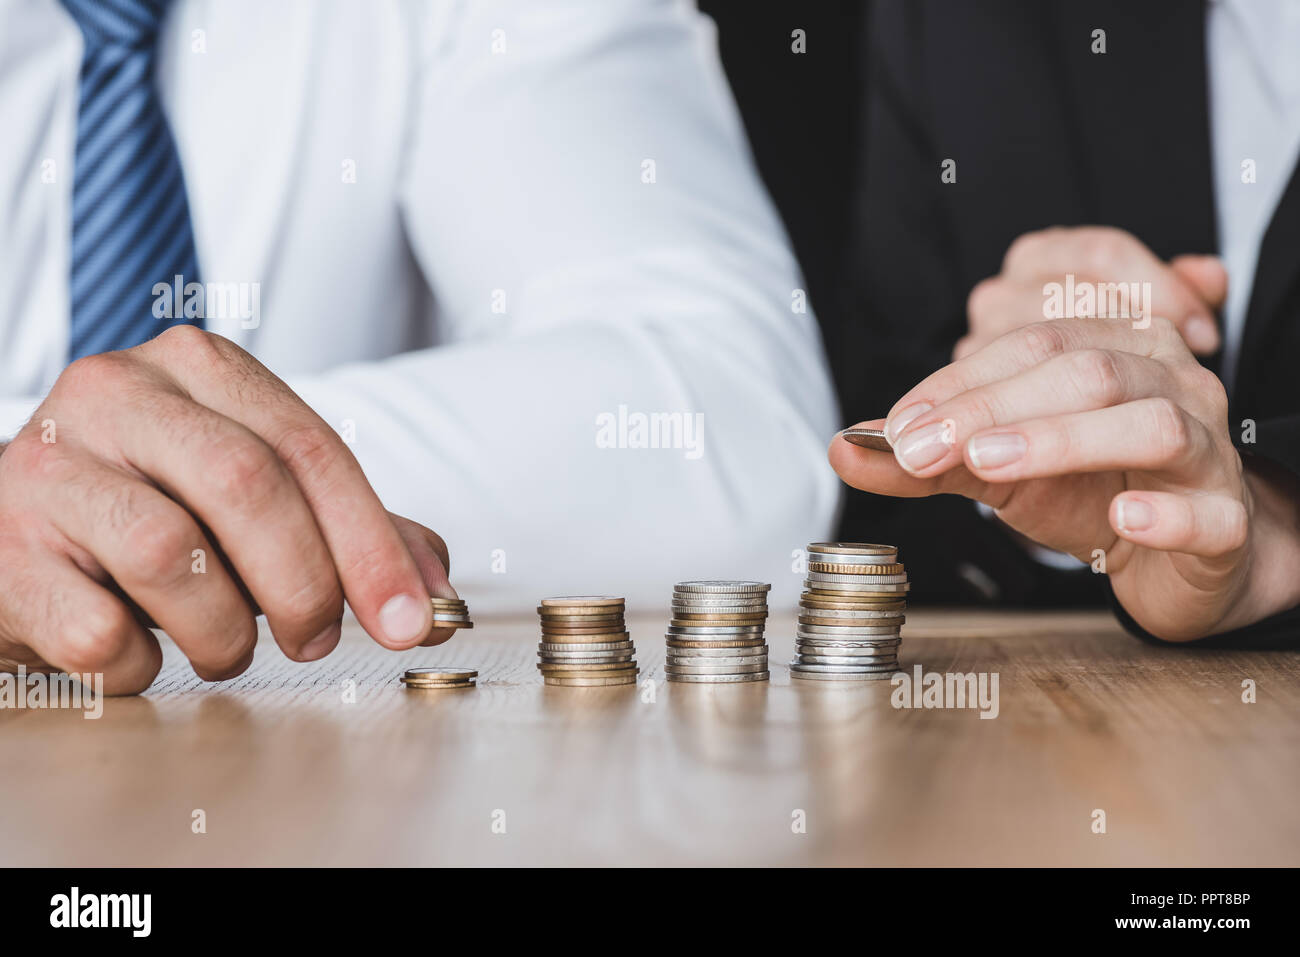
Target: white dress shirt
<point x="1254" y="64"/>
<point x="486" y="237"/>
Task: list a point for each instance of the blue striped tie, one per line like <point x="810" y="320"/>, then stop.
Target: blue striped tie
<point x="130" y="219"/>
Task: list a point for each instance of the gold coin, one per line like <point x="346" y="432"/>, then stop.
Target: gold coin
<point x="837" y="569"/>
<point x="583" y="601"/>
<point x="440" y="623"/>
<point x="585" y="682"/>
<point x="581" y="619"/>
<point x="727" y="643"/>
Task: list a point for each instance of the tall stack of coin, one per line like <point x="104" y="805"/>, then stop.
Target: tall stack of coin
<point x="585" y="642"/>
<point x="716" y="633"/>
<point x="851" y="616"/>
<point x="450" y="613"/>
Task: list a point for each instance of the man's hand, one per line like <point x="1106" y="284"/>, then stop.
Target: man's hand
<point x="1186" y="291"/>
<point x="1088" y="434"/>
<point x="182" y="484"/>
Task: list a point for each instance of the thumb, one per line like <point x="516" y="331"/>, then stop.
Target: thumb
<point x="1205" y="274"/>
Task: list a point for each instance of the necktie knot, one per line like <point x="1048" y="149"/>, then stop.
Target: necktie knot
<point x="118" y="23"/>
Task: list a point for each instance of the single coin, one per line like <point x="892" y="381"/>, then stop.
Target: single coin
<point x="576" y="681"/>
<point x="580" y="619"/>
<point x="591" y="638"/>
<point x="852" y="548"/>
<point x="842" y="676"/>
<point x="851" y="614"/>
<point x="726" y="654"/>
<point x="449" y="673"/>
<point x="855" y="568"/>
<point x="874" y="606"/>
<point x="836" y="590"/>
<point x="575" y="657"/>
<point x="715" y="607"/>
<point x="591" y="646"/>
<point x="839" y="647"/>
<point x="715" y="587"/>
<point x="824" y="578"/>
<point x="596" y="668"/>
<point x="613" y="628"/>
<point x="852" y="661"/>
<point x="681" y="620"/>
<point x="592" y="601"/>
<point x="720" y="645"/>
<point x="867" y="626"/>
<point x="798" y="665"/>
<point x="867" y="439"/>
<point x="715" y="629"/>
<point x="695" y="661"/>
<point x="719" y="679"/>
<point x="437" y="685"/>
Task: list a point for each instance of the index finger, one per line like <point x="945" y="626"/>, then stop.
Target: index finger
<point x="380" y="579"/>
<point x="1024" y="348"/>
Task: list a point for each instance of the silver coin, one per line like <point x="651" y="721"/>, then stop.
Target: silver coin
<point x="798" y="665"/>
<point x="719" y="679"/>
<point x="551" y="647"/>
<point x="862" y="628"/>
<point x="852" y="661"/>
<point x="705" y="598"/>
<point x="449" y="673"/>
<point x="720" y="630"/>
<point x="851" y="614"/>
<point x="722" y="587"/>
<point x="725" y="653"/>
<point x="845" y="648"/>
<point x="853" y="548"/>
<point x="563" y="657"/>
<point x="715" y="670"/>
<point x="699" y="661"/>
<point x="841" y="676"/>
<point x="849" y="588"/>
<point x="846" y="632"/>
<point x="830" y="558"/>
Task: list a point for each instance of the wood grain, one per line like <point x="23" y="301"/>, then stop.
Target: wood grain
<point x="288" y="772"/>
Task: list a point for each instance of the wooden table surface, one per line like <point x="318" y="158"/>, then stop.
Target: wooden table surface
<point x="287" y="771"/>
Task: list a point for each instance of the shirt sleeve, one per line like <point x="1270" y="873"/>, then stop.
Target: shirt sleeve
<point x="631" y="391"/>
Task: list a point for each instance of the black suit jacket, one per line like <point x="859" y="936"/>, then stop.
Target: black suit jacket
<point x="1044" y="132"/>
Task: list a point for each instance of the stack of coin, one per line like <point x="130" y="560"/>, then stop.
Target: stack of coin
<point x="851" y="616"/>
<point x="450" y="613"/>
<point x="585" y="643"/>
<point x="716" y="633"/>
<point x="427" y="679"/>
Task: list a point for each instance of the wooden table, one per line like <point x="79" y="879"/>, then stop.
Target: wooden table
<point x="289" y="772"/>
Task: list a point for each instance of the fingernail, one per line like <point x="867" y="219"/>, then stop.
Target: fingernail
<point x="899" y="421"/>
<point x="1200" y="334"/>
<point x="322" y="644"/>
<point x="1134" y="515"/>
<point x="924" y="447"/>
<point x="404" y="618"/>
<point x="995" y="451"/>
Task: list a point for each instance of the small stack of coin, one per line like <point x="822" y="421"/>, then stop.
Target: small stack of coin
<point x="851" y="616"/>
<point x="585" y="643"/>
<point x="716" y="633"/>
<point x="450" y="613"/>
<point x="427" y="679"/>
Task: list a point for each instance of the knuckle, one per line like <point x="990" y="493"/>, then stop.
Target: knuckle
<point x="1165" y="329"/>
<point x="311" y="451"/>
<point x="1028" y="247"/>
<point x="316" y="603"/>
<point x="89" y="377"/>
<point x="1097" y="376"/>
<point x="1168" y="429"/>
<point x="97" y="636"/>
<point x="184" y="340"/>
<point x="979" y="304"/>
<point x="1042" y="340"/>
<point x="1099" y="251"/>
<point x="158" y="544"/>
<point x="244" y="472"/>
<point x="1209" y="387"/>
<point x="1236" y="526"/>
